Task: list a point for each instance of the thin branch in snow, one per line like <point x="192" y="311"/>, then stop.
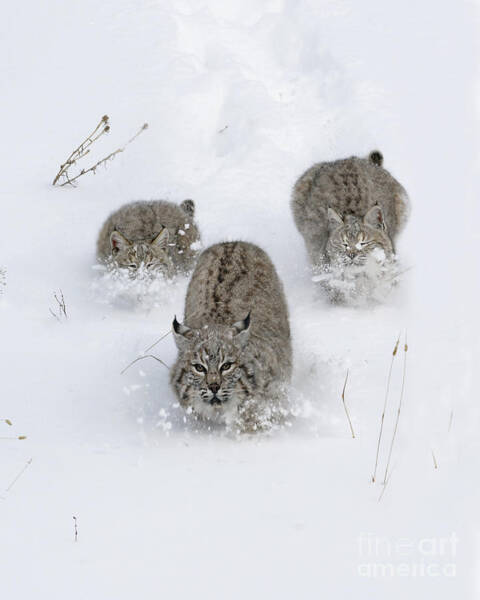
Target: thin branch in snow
<point x="29" y="462"/>
<point x="75" y="530"/>
<point x="158" y="341"/>
<point x="385" y="483"/>
<point x="435" y="464"/>
<point x="394" y="353"/>
<point x="345" y="406"/>
<point x="141" y="358"/>
<point x="61" y="311"/>
<point x="450" y="422"/>
<point x="15" y="437"/>
<point x="8" y="422"/>
<point x="83" y="149"/>
<point x="70" y="180"/>
<point x="405" y="348"/>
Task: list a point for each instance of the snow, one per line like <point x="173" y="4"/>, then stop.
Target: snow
<point x="240" y="97"/>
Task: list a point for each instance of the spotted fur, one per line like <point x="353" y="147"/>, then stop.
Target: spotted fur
<point x="348" y="208"/>
<point x="235" y="357"/>
<point x="156" y="235"/>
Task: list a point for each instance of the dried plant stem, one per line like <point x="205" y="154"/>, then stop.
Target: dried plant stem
<point x="16" y="437"/>
<point x="75" y="528"/>
<point x="402" y="391"/>
<point x="394" y="353"/>
<point x="8" y="422"/>
<point x="83" y="149"/>
<point x="62" y="307"/>
<point x="384" y="488"/>
<point x="345" y="406"/>
<point x="29" y="462"/>
<point x="435" y="464"/>
<point x="158" y="341"/>
<point x="141" y="358"/>
<point x="450" y="422"/>
<point x="103" y="161"/>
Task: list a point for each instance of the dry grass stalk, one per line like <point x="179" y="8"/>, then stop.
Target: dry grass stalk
<point x="402" y="391"/>
<point x="29" y="462"/>
<point x="345" y="406"/>
<point x="71" y="180"/>
<point x="16" y="437"/>
<point x="141" y="358"/>
<point x="435" y="464"/>
<point x="394" y="353"/>
<point x="158" y="341"/>
<point x="61" y="311"/>
<point x="450" y="422"/>
<point x="75" y="529"/>
<point x="8" y="422"/>
<point x="83" y="149"/>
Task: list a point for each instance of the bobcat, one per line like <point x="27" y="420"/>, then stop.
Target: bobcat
<point x="155" y="235"/>
<point x="235" y="357"/>
<point x="348" y="209"/>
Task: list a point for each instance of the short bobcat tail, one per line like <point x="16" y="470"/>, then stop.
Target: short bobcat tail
<point x="376" y="157"/>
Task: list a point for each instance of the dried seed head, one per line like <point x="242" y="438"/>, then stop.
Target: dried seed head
<point x="8" y="422"/>
<point x="105" y="118"/>
<point x="22" y="437"/>
<point x="145" y="126"/>
<point x="107" y="128"/>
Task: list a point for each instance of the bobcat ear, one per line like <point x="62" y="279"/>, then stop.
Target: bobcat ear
<point x="188" y="206"/>
<point x="118" y="241"/>
<point x="374" y="218"/>
<point x="334" y="219"/>
<point x="161" y="240"/>
<point x="241" y="330"/>
<point x="181" y="333"/>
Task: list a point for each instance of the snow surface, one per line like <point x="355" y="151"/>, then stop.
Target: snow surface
<point x="241" y="97"/>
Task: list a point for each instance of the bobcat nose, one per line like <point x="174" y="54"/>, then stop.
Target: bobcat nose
<point x="351" y="255"/>
<point x="213" y="387"/>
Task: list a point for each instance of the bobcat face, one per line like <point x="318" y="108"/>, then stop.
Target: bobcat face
<point x="138" y="256"/>
<point x="352" y="241"/>
<point x="212" y="376"/>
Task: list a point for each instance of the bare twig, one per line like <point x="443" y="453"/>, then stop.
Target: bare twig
<point x="16" y="437"/>
<point x="158" y="341"/>
<point x="75" y="528"/>
<point x="394" y="353"/>
<point x="29" y="462"/>
<point x="345" y="406"/>
<point x="61" y="307"/>
<point x="83" y="149"/>
<point x="405" y="348"/>
<point x="141" y="358"/>
<point x="435" y="464"/>
<point x="223" y="129"/>
<point x="103" y="161"/>
<point x="385" y="483"/>
<point x="450" y="422"/>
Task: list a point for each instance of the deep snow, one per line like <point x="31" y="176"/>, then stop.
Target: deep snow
<point x="241" y="97"/>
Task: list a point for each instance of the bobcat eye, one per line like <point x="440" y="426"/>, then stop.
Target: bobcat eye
<point x="226" y="366"/>
<point x="199" y="368"/>
<point x="150" y="265"/>
<point x="132" y="266"/>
